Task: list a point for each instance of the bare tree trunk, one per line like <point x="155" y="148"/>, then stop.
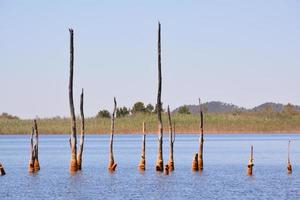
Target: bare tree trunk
<point x="289" y="166"/>
<point x="73" y="137"/>
<point x="201" y="140"/>
<point x="250" y="163"/>
<point x="171" y="140"/>
<point x="2" y="171"/>
<point x="112" y="165"/>
<point x="36" y="147"/>
<point x="32" y="153"/>
<point x="80" y="150"/>
<point x="159" y="160"/>
<point x="142" y="164"/>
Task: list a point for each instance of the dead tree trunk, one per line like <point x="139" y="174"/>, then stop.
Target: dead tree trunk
<point x="195" y="166"/>
<point x="73" y="137"/>
<point x="36" y="147"/>
<point x="142" y="163"/>
<point x="289" y="166"/>
<point x="250" y="163"/>
<point x="2" y="171"/>
<point x="201" y="140"/>
<point x="80" y="150"/>
<point x="171" y="140"/>
<point x="159" y="160"/>
<point x="32" y="153"/>
<point x="112" y="165"/>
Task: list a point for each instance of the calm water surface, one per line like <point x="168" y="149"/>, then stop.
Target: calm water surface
<point x="224" y="176"/>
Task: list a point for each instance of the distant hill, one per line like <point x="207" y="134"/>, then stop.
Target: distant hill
<point x="275" y="107"/>
<point x="214" y="107"/>
<point x="221" y="107"/>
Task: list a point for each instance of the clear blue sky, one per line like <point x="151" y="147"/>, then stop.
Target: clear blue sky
<point x="242" y="52"/>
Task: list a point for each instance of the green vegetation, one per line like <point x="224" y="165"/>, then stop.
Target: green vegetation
<point x="183" y="110"/>
<point x="286" y="121"/>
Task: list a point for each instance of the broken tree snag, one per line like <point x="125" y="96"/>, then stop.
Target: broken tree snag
<point x="80" y="150"/>
<point x="36" y="147"/>
<point x="142" y="163"/>
<point x="2" y="172"/>
<point x="195" y="162"/>
<point x="112" y="165"/>
<point x="289" y="166"/>
<point x="250" y="163"/>
<point x="171" y="140"/>
<point x="32" y="153"/>
<point x="201" y="139"/>
<point x="73" y="139"/>
<point x="159" y="160"/>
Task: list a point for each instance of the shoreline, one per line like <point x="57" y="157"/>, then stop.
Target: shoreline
<point x="166" y="133"/>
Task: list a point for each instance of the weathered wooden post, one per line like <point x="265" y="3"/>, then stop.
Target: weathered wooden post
<point x="112" y="165"/>
<point x="201" y="139"/>
<point x="36" y="147"/>
<point x="171" y="141"/>
<point x="289" y="166"/>
<point x="250" y="163"/>
<point x="159" y="160"/>
<point x="2" y="171"/>
<point x="73" y="137"/>
<point x="32" y="153"/>
<point x="142" y="163"/>
<point x="80" y="150"/>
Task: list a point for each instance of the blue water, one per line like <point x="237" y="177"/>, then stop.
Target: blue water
<point x="224" y="176"/>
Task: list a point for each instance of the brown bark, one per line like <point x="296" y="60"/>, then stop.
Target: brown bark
<point x="250" y="163"/>
<point x="32" y="152"/>
<point x="289" y="165"/>
<point x="73" y="137"/>
<point x="171" y="141"/>
<point x="201" y="140"/>
<point x="166" y="171"/>
<point x="2" y="171"/>
<point x="112" y="165"/>
<point x="36" y="147"/>
<point x="195" y="166"/>
<point x="142" y="163"/>
<point x="159" y="160"/>
<point x="80" y="149"/>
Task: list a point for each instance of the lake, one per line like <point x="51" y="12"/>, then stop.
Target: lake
<point x="224" y="176"/>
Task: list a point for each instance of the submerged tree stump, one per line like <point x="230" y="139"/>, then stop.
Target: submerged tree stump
<point x="2" y="171"/>
<point x="36" y="147"/>
<point x="111" y="164"/>
<point x="250" y="163"/>
<point x="166" y="170"/>
<point x="289" y="165"/>
<point x="142" y="163"/>
<point x="195" y="166"/>
<point x="73" y="137"/>
<point x="34" y="164"/>
<point x="80" y="150"/>
<point x="171" y="140"/>
<point x="159" y="160"/>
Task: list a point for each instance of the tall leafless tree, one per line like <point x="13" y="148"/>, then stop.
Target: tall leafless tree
<point x="201" y="139"/>
<point x="159" y="160"/>
<point x="73" y="137"/>
<point x="112" y="165"/>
